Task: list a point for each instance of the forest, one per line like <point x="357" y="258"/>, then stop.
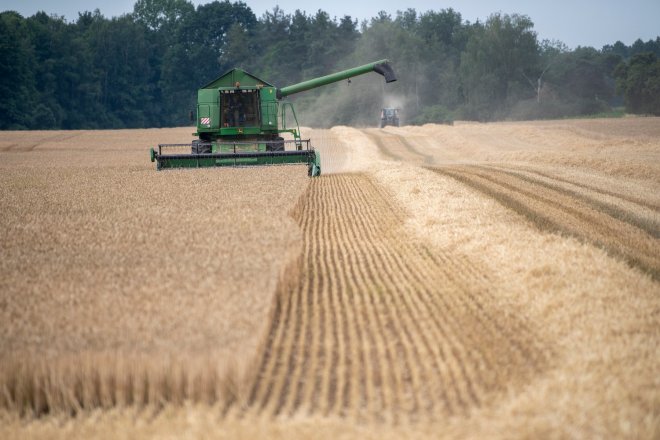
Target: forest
<point x="143" y="69"/>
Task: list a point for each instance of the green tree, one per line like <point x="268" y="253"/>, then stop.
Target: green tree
<point x="436" y="76"/>
<point x="639" y="82"/>
<point x="161" y="14"/>
<point x="276" y="45"/>
<point x="360" y="101"/>
<point x="198" y="54"/>
<point x="580" y="81"/>
<point x="51" y="41"/>
<point x="239" y="50"/>
<point x="498" y="56"/>
<point x="142" y="69"/>
<point x="121" y="55"/>
<point x="17" y="89"/>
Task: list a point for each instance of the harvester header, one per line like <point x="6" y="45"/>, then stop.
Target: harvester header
<point x="240" y="119"/>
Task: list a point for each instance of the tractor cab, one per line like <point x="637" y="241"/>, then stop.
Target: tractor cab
<point x="389" y="116"/>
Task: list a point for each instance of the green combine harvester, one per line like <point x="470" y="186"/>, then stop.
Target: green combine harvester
<point x="240" y="120"/>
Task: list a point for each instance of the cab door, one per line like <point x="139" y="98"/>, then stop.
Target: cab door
<point x="269" y="109"/>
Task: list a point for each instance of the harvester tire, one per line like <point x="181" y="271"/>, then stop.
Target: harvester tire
<point x="200" y="147"/>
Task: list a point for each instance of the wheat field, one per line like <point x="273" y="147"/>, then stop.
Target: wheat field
<point x="476" y="280"/>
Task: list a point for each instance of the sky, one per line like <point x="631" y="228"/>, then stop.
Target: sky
<point x="574" y="22"/>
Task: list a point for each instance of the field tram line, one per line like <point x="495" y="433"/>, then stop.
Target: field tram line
<point x="382" y="147"/>
<point x="328" y="395"/>
<point x="337" y="201"/>
<point x="369" y="329"/>
<point x="404" y="299"/>
<point x="306" y="338"/>
<point x="556" y="211"/>
<point x="391" y="320"/>
<point x="458" y="374"/>
<point x="345" y="234"/>
<point x="554" y="201"/>
<point x="463" y="277"/>
<point x="647" y="225"/>
<point x="473" y="364"/>
<point x="384" y="140"/>
<point x="408" y="381"/>
<point x="360" y="280"/>
<point x="525" y="347"/>
<point x="319" y="289"/>
<point x="380" y="349"/>
<point x="295" y="400"/>
<point x="364" y="229"/>
<point x="428" y="159"/>
<point x="290" y="357"/>
<point x="628" y="198"/>
<point x="417" y="377"/>
<point x="466" y="280"/>
<point x="299" y="357"/>
<point x="371" y="370"/>
<point x="279" y="377"/>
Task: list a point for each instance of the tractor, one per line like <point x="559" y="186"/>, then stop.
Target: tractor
<point x="389" y="116"/>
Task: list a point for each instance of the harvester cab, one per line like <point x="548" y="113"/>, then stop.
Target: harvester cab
<point x="241" y="119"/>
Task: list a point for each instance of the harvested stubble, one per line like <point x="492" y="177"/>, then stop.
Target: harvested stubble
<point x="599" y="315"/>
<point x="380" y="328"/>
<point x="631" y="234"/>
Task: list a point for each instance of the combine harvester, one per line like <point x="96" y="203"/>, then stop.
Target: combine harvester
<point x="240" y="119"/>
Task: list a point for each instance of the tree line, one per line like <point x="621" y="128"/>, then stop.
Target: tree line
<point x="143" y="69"/>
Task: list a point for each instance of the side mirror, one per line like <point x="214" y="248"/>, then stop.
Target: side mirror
<point x="192" y="116"/>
